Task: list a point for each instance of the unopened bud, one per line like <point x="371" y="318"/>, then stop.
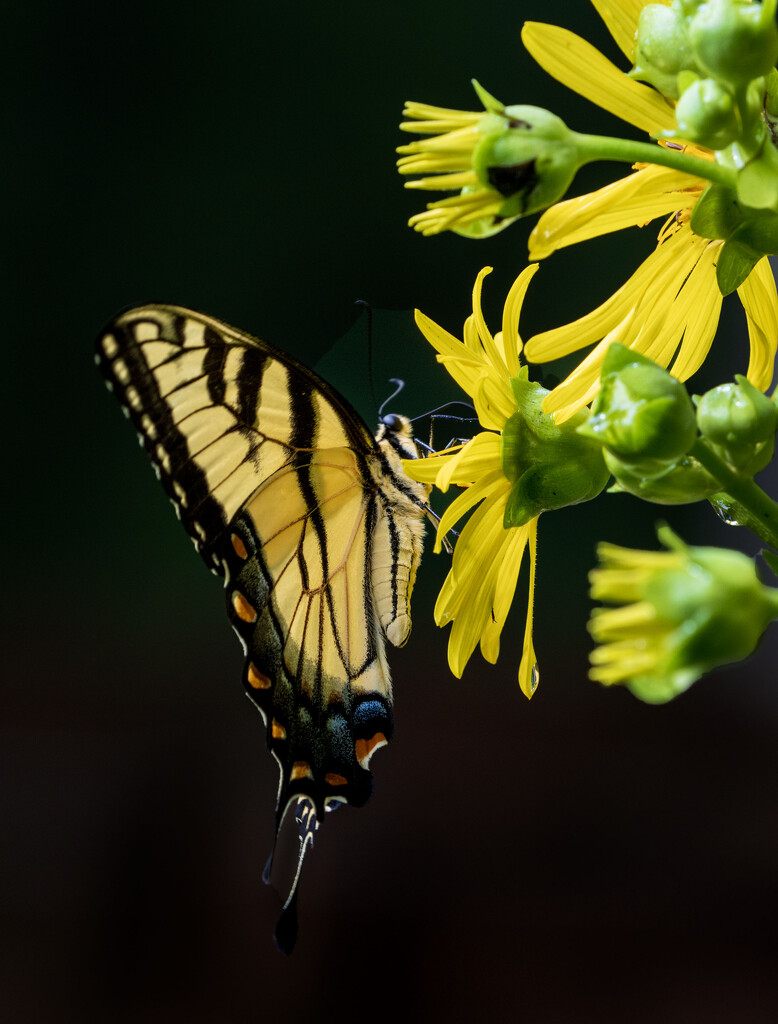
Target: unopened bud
<point x="641" y="414"/>
<point x="663" y="48"/>
<point x="706" y="113"/>
<point x="735" y="40"/>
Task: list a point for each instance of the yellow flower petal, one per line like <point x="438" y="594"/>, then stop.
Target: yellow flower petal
<point x="478" y="586"/>
<point x="472" y="558"/>
<point x="511" y="557"/>
<point x="700" y="292"/>
<point x="494" y="401"/>
<point x="529" y="677"/>
<point x="440" y="339"/>
<point x="760" y="301"/>
<point x="508" y="339"/>
<point x="437" y="120"/>
<point x="578" y="65"/>
<point x="484" y="334"/>
<point x="633" y="201"/>
<point x="489" y="488"/>
<point x="460" y="179"/>
<point x="480" y="455"/>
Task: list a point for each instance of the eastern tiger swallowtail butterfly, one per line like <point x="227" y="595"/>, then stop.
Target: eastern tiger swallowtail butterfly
<point x="312" y="523"/>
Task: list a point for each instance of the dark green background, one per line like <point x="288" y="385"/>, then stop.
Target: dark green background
<point x="580" y="858"/>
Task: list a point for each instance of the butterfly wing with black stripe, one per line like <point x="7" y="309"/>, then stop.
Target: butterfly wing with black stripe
<point x="286" y="493"/>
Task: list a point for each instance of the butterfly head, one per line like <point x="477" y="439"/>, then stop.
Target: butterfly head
<point x="397" y="432"/>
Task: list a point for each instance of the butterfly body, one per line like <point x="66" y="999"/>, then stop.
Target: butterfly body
<point x="308" y="517"/>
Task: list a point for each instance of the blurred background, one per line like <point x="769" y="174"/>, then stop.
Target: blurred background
<point x="581" y="858"/>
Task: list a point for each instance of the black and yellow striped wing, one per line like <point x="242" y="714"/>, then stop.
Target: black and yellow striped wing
<point x="308" y="517"/>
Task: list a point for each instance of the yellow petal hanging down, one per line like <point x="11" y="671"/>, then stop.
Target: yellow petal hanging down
<point x="760" y="301"/>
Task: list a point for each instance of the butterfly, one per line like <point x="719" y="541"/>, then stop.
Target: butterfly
<point x="310" y="520"/>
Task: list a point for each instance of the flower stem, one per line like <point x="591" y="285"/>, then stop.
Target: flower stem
<point x="603" y="147"/>
<point x="762" y="511"/>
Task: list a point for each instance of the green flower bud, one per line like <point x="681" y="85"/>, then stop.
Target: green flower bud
<point x="740" y="422"/>
<point x="736" y="414"/>
<point x="684" y="612"/>
<point x="735" y="40"/>
<point x="706" y="113"/>
<point x="641" y="413"/>
<point x="549" y="466"/>
<point x="681" y="483"/>
<point x="663" y="48"/>
<point x="532" y="162"/>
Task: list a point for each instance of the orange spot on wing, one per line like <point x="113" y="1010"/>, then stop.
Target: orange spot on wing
<point x="333" y="779"/>
<point x="238" y="546"/>
<point x="243" y="609"/>
<point x="365" y="749"/>
<point x="257" y="679"/>
<point x="301" y="770"/>
<point x="277" y="731"/>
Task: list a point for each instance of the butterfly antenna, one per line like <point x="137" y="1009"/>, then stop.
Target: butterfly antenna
<point x="400" y="384"/>
<point x="369" y="311"/>
<point x="446" y="405"/>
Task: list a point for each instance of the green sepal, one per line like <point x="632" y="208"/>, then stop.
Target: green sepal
<point x="757" y="182"/>
<point x="736" y="261"/>
<point x="747" y="460"/>
<point x="490" y="103"/>
<point x="729" y="606"/>
<point x="680" y="484"/>
<point x="662" y="689"/>
<point x="771" y="558"/>
<point x="531" y="162"/>
<point x="549" y="466"/>
<point x="716" y="213"/>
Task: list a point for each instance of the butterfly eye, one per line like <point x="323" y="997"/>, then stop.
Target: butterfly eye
<point x="393" y="423"/>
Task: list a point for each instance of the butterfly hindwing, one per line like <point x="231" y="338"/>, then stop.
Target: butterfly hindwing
<point x="298" y="599"/>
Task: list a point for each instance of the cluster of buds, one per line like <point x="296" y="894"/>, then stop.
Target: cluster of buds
<point x="685" y="611"/>
<point x="655" y="444"/>
<point x="717" y="59"/>
<point x="714" y="57"/>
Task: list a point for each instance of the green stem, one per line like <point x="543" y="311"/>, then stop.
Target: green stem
<point x="762" y="511"/>
<point x="603" y="147"/>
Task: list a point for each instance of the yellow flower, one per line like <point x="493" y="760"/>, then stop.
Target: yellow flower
<point x="446" y="162"/>
<point x="678" y="613"/>
<point x="669" y="308"/>
<point x="479" y="589"/>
